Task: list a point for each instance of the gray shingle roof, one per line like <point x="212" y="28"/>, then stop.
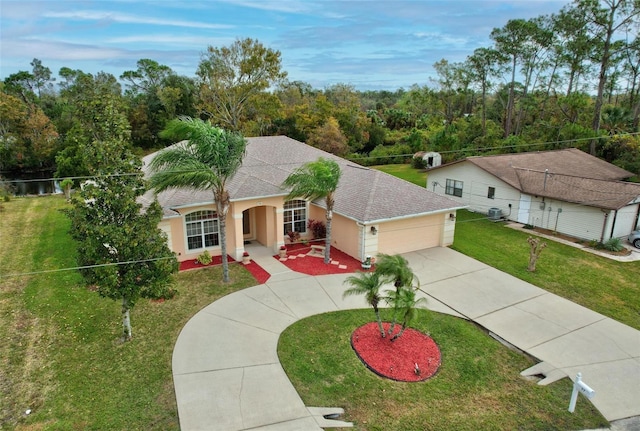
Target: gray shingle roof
<point x="587" y="191"/>
<point x="571" y="176"/>
<point x="363" y="194"/>
<point x="570" y="161"/>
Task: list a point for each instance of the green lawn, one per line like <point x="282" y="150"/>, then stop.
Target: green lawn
<point x="406" y="172"/>
<point x="60" y="356"/>
<point x="478" y="385"/>
<point x="604" y="285"/>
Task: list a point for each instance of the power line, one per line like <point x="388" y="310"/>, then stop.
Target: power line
<point x="47" y="271"/>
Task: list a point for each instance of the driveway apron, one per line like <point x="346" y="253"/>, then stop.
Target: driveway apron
<point x="227" y="375"/>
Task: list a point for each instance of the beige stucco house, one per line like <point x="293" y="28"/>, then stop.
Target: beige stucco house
<point x="566" y="191"/>
<point x="374" y="212"/>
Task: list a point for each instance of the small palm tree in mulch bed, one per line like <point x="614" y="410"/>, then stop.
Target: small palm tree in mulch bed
<point x="390" y="350"/>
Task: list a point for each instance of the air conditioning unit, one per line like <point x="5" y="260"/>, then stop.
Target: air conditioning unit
<point x="494" y="214"/>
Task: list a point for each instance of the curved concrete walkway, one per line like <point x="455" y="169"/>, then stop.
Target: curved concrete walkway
<point x="227" y="375"/>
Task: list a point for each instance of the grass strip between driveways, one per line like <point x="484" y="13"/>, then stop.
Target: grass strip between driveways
<point x="478" y="386"/>
<point x="60" y="356"/>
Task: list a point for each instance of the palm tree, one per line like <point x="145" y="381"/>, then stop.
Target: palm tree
<point x="209" y="158"/>
<point x="404" y="302"/>
<point x="316" y="180"/>
<point x="395" y="268"/>
<point x="367" y="284"/>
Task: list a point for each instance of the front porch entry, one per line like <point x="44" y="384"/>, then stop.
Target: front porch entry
<point x="260" y="225"/>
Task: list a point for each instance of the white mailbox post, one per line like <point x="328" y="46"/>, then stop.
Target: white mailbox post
<point x="580" y="386"/>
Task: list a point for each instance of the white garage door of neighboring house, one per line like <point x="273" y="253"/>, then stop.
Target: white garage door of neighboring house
<point x="523" y="209"/>
<point x="409" y="235"/>
<point x="625" y="221"/>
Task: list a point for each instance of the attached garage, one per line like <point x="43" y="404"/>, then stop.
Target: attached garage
<point x="405" y="235"/>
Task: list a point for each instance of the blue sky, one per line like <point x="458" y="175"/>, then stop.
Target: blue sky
<point x="368" y="44"/>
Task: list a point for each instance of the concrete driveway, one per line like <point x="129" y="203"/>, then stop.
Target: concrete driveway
<point x="227" y="375"/>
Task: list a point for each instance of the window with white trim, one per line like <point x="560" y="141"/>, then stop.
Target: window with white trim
<point x="454" y="188"/>
<point x="203" y="229"/>
<point x="491" y="193"/>
<point x="295" y="216"/>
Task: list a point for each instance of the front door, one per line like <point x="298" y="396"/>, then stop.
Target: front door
<point x="248" y="224"/>
<point x="523" y="209"/>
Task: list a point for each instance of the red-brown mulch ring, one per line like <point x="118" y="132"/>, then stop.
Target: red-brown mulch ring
<point x="314" y="265"/>
<point x="396" y="360"/>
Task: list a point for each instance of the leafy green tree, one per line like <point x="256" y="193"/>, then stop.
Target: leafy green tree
<point x="573" y="45"/>
<point x="27" y="137"/>
<point x="329" y="138"/>
<point x="94" y="112"/>
<point x="512" y="41"/>
<point x="41" y="77"/>
<point x="367" y="284"/>
<point x="230" y="76"/>
<point x="120" y="248"/>
<point x="483" y="65"/>
<point x="453" y="81"/>
<point x="21" y="84"/>
<point x="155" y="95"/>
<point x="316" y="180"/>
<point x="606" y="18"/>
<point x="206" y="161"/>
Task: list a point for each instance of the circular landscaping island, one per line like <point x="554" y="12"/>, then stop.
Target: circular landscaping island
<point x="413" y="357"/>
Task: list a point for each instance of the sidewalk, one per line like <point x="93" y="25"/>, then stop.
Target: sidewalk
<point x="227" y="375"/>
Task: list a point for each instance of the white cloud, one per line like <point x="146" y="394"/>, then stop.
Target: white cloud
<point x="131" y="19"/>
<point x="170" y="39"/>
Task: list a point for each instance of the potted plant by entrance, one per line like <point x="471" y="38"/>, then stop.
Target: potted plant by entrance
<point x="366" y="263"/>
<point x="283" y="251"/>
<point x="245" y="258"/>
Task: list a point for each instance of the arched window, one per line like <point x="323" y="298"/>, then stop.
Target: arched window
<point x="203" y="229"/>
<point x="295" y="216"/>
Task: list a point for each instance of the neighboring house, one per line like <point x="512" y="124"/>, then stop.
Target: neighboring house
<point x="373" y="213"/>
<point x="567" y="191"/>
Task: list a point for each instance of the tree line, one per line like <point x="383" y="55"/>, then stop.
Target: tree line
<point x="565" y="79"/>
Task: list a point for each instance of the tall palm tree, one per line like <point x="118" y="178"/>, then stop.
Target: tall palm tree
<point x="404" y="303"/>
<point x="206" y="161"/>
<point x="395" y="268"/>
<point x="367" y="284"/>
<point x="316" y="180"/>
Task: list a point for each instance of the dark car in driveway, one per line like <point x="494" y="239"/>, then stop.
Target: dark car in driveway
<point x="634" y="238"/>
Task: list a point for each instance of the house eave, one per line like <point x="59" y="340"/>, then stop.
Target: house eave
<point x="191" y="205"/>
<point x="253" y="198"/>
<point x="409" y="216"/>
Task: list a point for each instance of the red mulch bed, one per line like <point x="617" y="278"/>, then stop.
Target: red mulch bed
<point x="314" y="265"/>
<point x="193" y="263"/>
<point x="397" y="359"/>
<point x="256" y="270"/>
